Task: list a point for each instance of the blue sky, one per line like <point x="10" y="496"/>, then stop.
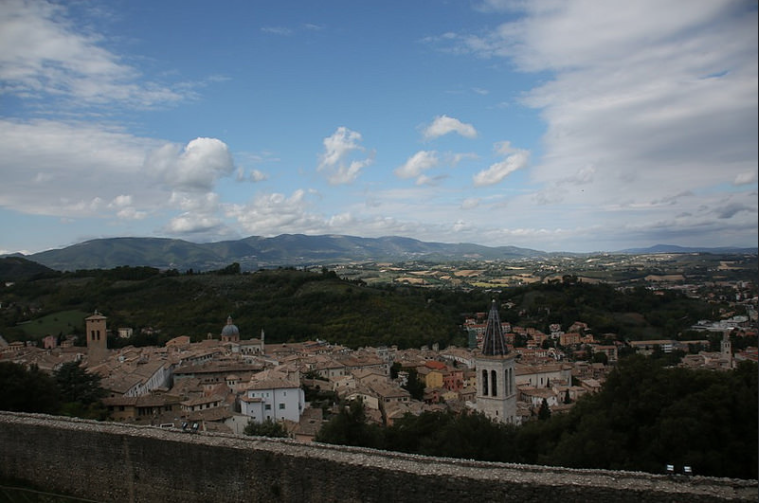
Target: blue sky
<point x="571" y="125"/>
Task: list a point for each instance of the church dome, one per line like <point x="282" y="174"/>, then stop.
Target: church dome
<point x="230" y="330"/>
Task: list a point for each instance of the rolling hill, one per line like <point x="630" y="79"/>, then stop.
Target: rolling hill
<point x="258" y="252"/>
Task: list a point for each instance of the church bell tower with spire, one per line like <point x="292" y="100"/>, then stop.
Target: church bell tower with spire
<point x="496" y="389"/>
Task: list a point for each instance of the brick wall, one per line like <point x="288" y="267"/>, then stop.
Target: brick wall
<point x="113" y="462"/>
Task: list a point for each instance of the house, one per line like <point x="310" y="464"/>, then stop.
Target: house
<point x="535" y="396"/>
<point x="366" y="395"/>
<point x="458" y="356"/>
<point x="309" y="425"/>
<point x="647" y="347"/>
<point x="569" y="339"/>
<point x="388" y="392"/>
<point x="145" y="407"/>
<point x="360" y="363"/>
<point x="327" y="368"/>
<point x="578" y="326"/>
<point x="542" y="375"/>
<point x="216" y="371"/>
<point x="202" y="403"/>
<point x="609" y="350"/>
<point x="340" y="383"/>
<point x="396" y="410"/>
<point x="592" y="385"/>
<point x="135" y="378"/>
<point x="454" y="380"/>
<point x="432" y="378"/>
<point x="273" y="398"/>
<point x="178" y="343"/>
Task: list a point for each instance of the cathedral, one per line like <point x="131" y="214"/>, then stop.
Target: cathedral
<point x="496" y="388"/>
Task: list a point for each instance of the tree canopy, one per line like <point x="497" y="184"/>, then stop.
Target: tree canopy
<point x="268" y="428"/>
<point x="27" y="390"/>
<point x="646" y="416"/>
<point x="80" y="391"/>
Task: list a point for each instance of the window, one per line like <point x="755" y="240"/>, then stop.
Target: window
<point x="281" y="406"/>
<point x="268" y="406"/>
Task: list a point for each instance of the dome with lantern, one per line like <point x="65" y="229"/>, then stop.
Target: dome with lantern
<point x="230" y="332"/>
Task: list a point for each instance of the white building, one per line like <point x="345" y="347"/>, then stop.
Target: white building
<point x="274" y="399"/>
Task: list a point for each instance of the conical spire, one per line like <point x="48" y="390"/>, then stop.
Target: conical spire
<point x="494" y="342"/>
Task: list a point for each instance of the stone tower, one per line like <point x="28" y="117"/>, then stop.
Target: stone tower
<point x="726" y="349"/>
<point x="97" y="338"/>
<point x="496" y="389"/>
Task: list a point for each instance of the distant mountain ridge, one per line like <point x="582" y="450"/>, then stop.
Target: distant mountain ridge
<point x="660" y="248"/>
<point x="257" y="252"/>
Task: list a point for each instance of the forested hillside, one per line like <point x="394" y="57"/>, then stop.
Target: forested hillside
<point x="296" y="305"/>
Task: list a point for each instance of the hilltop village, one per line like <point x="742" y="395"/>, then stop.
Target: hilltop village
<point x="228" y="380"/>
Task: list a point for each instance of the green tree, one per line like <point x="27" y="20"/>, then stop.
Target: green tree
<point x="27" y="390"/>
<point x="600" y="358"/>
<point x="469" y="435"/>
<point x="349" y="427"/>
<point x="567" y="398"/>
<point x="80" y="391"/>
<point x="648" y="415"/>
<point x="268" y="428"/>
<point x="545" y="412"/>
<point x="414" y="385"/>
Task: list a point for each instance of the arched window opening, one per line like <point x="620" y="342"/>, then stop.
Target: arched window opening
<point x="494" y="383"/>
<point x="484" y="383"/>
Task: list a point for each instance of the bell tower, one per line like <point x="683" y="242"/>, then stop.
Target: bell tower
<point x="496" y="392"/>
<point x="97" y="338"/>
<point x="726" y="349"/>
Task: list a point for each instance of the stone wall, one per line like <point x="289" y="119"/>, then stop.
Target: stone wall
<point x="113" y="462"/>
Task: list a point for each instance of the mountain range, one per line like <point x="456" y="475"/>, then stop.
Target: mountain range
<point x="256" y="252"/>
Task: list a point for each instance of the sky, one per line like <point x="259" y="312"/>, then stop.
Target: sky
<point x="556" y="125"/>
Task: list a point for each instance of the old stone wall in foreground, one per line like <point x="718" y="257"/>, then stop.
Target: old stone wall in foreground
<point x="112" y="462"/>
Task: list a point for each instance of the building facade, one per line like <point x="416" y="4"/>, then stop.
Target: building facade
<point x="274" y="399"/>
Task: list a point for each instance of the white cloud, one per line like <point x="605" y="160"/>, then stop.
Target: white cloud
<point x="516" y="159"/>
<point x="79" y="170"/>
<point x="277" y="30"/>
<point x="55" y="168"/>
<point x="745" y="178"/>
<point x="416" y="164"/>
<point x="336" y="160"/>
<point x="194" y="168"/>
<point x="470" y="203"/>
<point x="455" y="159"/>
<point x="443" y="125"/>
<point x="121" y="201"/>
<point x="642" y="101"/>
<point x="124" y="207"/>
<point x="44" y="54"/>
<point x="131" y="214"/>
<point x="195" y="203"/>
<point x="193" y="224"/>
<point x="275" y="213"/>
<point x="258" y="176"/>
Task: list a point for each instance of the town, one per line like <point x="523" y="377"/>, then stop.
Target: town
<point x="229" y="380"/>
